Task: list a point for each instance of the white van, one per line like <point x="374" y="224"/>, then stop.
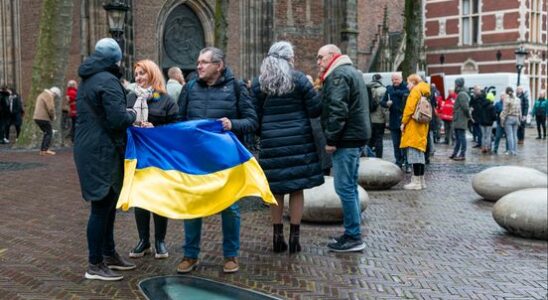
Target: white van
<point x="496" y="82"/>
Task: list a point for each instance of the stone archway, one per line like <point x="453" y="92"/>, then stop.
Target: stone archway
<point x="184" y="28"/>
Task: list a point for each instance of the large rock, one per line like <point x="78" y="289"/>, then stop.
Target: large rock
<point x="378" y="174"/>
<point x="496" y="182"/>
<point x="524" y="213"/>
<point x="322" y="205"/>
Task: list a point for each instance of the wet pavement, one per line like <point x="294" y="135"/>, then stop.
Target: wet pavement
<point x="439" y="243"/>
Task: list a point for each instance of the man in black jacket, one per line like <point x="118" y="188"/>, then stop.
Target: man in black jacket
<point x="99" y="147"/>
<point x="394" y="99"/>
<point x="347" y="127"/>
<point x="524" y="111"/>
<point x="216" y="94"/>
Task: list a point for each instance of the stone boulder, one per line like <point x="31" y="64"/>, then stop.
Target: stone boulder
<point x="378" y="174"/>
<point x="322" y="205"/>
<point x="493" y="183"/>
<point x="524" y="213"/>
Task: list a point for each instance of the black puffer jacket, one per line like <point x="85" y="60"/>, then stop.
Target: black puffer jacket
<point x="163" y="110"/>
<point x="101" y="125"/>
<point x="200" y="101"/>
<point x="288" y="154"/>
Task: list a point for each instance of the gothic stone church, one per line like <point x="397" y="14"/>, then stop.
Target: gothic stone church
<point x="171" y="32"/>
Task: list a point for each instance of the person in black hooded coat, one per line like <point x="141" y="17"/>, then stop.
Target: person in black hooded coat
<point x="99" y="146"/>
<point x="286" y="100"/>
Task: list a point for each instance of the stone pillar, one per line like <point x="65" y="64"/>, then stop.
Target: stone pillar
<point x="10" y="55"/>
<point x="257" y="30"/>
<point x="349" y="32"/>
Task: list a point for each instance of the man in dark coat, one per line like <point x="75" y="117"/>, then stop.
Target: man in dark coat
<point x="524" y="100"/>
<point x="394" y="99"/>
<point x="216" y="94"/>
<point x="16" y="114"/>
<point x="99" y="147"/>
<point x="4" y="113"/>
<point x="347" y="127"/>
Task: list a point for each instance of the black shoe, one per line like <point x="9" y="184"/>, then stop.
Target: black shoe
<point x="142" y="248"/>
<point x="452" y="156"/>
<point x="116" y="262"/>
<point x="476" y="146"/>
<point x="294" y="232"/>
<point x="161" y="249"/>
<point x="278" y="242"/>
<point x="100" y="271"/>
<point x="538" y="138"/>
<point x="346" y="244"/>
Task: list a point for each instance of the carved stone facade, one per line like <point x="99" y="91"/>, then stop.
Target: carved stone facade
<point x="171" y="32"/>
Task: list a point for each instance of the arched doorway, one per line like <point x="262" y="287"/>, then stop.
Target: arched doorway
<point x="182" y="38"/>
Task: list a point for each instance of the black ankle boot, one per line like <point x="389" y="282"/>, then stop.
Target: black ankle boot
<point x="294" y="245"/>
<point x="142" y="248"/>
<point x="278" y="242"/>
<point x="161" y="249"/>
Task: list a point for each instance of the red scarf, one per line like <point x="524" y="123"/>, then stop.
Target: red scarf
<point x="335" y="56"/>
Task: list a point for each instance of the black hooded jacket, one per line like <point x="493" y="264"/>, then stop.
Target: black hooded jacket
<point x="100" y="135"/>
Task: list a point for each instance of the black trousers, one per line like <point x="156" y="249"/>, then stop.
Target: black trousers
<point x="142" y="218"/>
<point x="376" y="138"/>
<point x="541" y="122"/>
<point x="45" y="126"/>
<point x="100" y="231"/>
<point x="15" y="121"/>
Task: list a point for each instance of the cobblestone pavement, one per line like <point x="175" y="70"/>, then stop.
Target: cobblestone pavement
<point x="440" y="243"/>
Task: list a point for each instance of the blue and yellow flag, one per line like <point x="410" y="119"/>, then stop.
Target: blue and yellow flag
<point x="188" y="170"/>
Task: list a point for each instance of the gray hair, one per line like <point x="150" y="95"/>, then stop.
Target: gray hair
<point x="276" y="77"/>
<point x="217" y="55"/>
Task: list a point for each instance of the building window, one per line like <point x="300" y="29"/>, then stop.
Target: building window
<point x="470" y="29"/>
<point x="535" y="20"/>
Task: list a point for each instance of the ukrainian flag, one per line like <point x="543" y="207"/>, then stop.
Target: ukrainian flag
<point x="189" y="170"/>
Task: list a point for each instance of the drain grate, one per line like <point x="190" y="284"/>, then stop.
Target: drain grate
<point x="187" y="287"/>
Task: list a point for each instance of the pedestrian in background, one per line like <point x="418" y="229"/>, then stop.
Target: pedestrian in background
<point x="44" y="114"/>
<point x="4" y="113"/>
<point x="16" y="112"/>
<point x="150" y="94"/>
<point x="286" y="100"/>
<point x="540" y="111"/>
<point x="415" y="134"/>
<point x="524" y="103"/>
<point x="378" y="115"/>
<point x="99" y="146"/>
<point x="445" y="112"/>
<point x="175" y="82"/>
<point x="510" y="119"/>
<point x="394" y="99"/>
<point x="70" y="96"/>
<point x="347" y="127"/>
<point x="461" y="116"/>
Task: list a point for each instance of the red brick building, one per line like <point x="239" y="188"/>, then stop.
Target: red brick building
<point x="480" y="36"/>
<point x="171" y="31"/>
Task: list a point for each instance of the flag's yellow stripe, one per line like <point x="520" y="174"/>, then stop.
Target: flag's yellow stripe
<point x="177" y="195"/>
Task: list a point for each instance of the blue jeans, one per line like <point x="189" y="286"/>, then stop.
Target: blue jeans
<point x="511" y="125"/>
<point x="476" y="131"/>
<point x="460" y="145"/>
<point x="345" y="173"/>
<point x="498" y="136"/>
<point x="399" y="154"/>
<point x="231" y="233"/>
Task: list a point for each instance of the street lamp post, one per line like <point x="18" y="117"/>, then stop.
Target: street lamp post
<point x="116" y="15"/>
<point x="521" y="54"/>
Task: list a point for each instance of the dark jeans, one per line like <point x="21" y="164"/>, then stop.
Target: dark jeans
<point x="448" y="131"/>
<point x="521" y="130"/>
<point x="399" y="154"/>
<point x="476" y="131"/>
<point x="72" y="127"/>
<point x="498" y="135"/>
<point x="15" y="121"/>
<point x="142" y="218"/>
<point x="45" y="126"/>
<point x="376" y="138"/>
<point x="460" y="145"/>
<point x="541" y="122"/>
<point x="100" y="231"/>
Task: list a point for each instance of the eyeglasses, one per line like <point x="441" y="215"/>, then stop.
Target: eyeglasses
<point x="203" y="62"/>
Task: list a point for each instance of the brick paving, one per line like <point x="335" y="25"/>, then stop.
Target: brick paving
<point x="440" y="243"/>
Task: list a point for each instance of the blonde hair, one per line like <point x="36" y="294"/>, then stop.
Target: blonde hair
<point x="155" y="76"/>
<point x="414" y="78"/>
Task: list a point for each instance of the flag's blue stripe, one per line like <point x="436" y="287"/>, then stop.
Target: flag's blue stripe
<point x="193" y="147"/>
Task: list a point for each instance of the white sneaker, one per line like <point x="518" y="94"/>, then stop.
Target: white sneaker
<point x="6" y="141"/>
<point x="415" y="184"/>
<point x="423" y="182"/>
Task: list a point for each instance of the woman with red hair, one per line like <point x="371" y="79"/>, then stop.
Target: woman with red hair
<point x="154" y="107"/>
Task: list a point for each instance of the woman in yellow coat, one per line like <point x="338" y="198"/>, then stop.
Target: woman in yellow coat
<point x="415" y="134"/>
